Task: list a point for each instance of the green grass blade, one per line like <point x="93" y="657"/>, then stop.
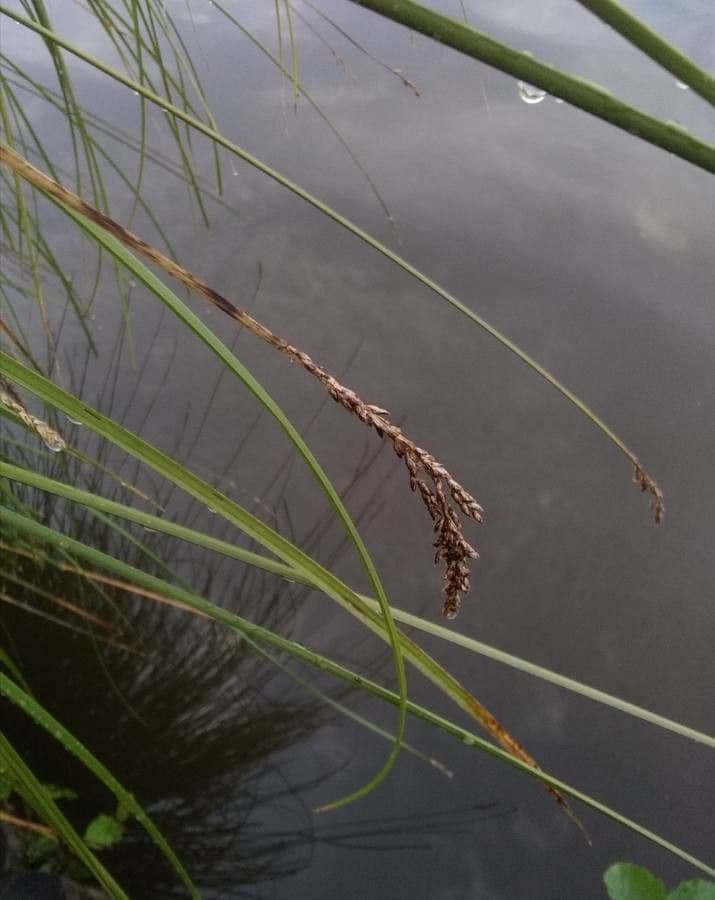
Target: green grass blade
<point x="315" y="106"/>
<point x="157" y="589"/>
<point x="211" y="497"/>
<point x="344" y="710"/>
<point x="548" y="675"/>
<point x="293" y="53"/>
<point x="259" y="531"/>
<point x="288" y="573"/>
<point x="7" y="661"/>
<point x="103" y="238"/>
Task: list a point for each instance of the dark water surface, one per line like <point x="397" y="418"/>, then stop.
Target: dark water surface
<point x="591" y="250"/>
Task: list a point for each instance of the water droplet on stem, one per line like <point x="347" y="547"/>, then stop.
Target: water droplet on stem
<point x="530" y="94"/>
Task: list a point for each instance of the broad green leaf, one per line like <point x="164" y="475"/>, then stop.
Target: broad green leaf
<point x="625" y="881"/>
<point x="694" y="890"/>
<point x="103" y="831"/>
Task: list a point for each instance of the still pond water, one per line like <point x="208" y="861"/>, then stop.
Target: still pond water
<point x="591" y="250"/>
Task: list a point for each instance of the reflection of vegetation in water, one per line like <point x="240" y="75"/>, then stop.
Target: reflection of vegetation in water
<point x="191" y="717"/>
<point x="198" y="723"/>
<point x="206" y="735"/>
<point x="159" y="70"/>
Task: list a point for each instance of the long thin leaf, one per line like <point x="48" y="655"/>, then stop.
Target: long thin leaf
<point x="590" y="97"/>
<point x="149" y="585"/>
<point x="104" y="238"/>
<point x="262" y="533"/>
<point x="45" y="720"/>
<point x="288" y="573"/>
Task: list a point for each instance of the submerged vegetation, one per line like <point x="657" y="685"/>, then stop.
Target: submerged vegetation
<point x="116" y="570"/>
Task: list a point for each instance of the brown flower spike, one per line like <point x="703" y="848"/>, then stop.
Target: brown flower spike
<point x="427" y="476"/>
<point x="452" y="547"/>
<point x="439" y="491"/>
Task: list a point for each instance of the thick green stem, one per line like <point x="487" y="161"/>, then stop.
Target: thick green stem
<point x="654" y="46"/>
<point x="592" y="98"/>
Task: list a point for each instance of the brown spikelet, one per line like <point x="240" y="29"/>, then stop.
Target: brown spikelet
<point x="440" y="492"/>
<point x="437" y="488"/>
<point x="649" y="485"/>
